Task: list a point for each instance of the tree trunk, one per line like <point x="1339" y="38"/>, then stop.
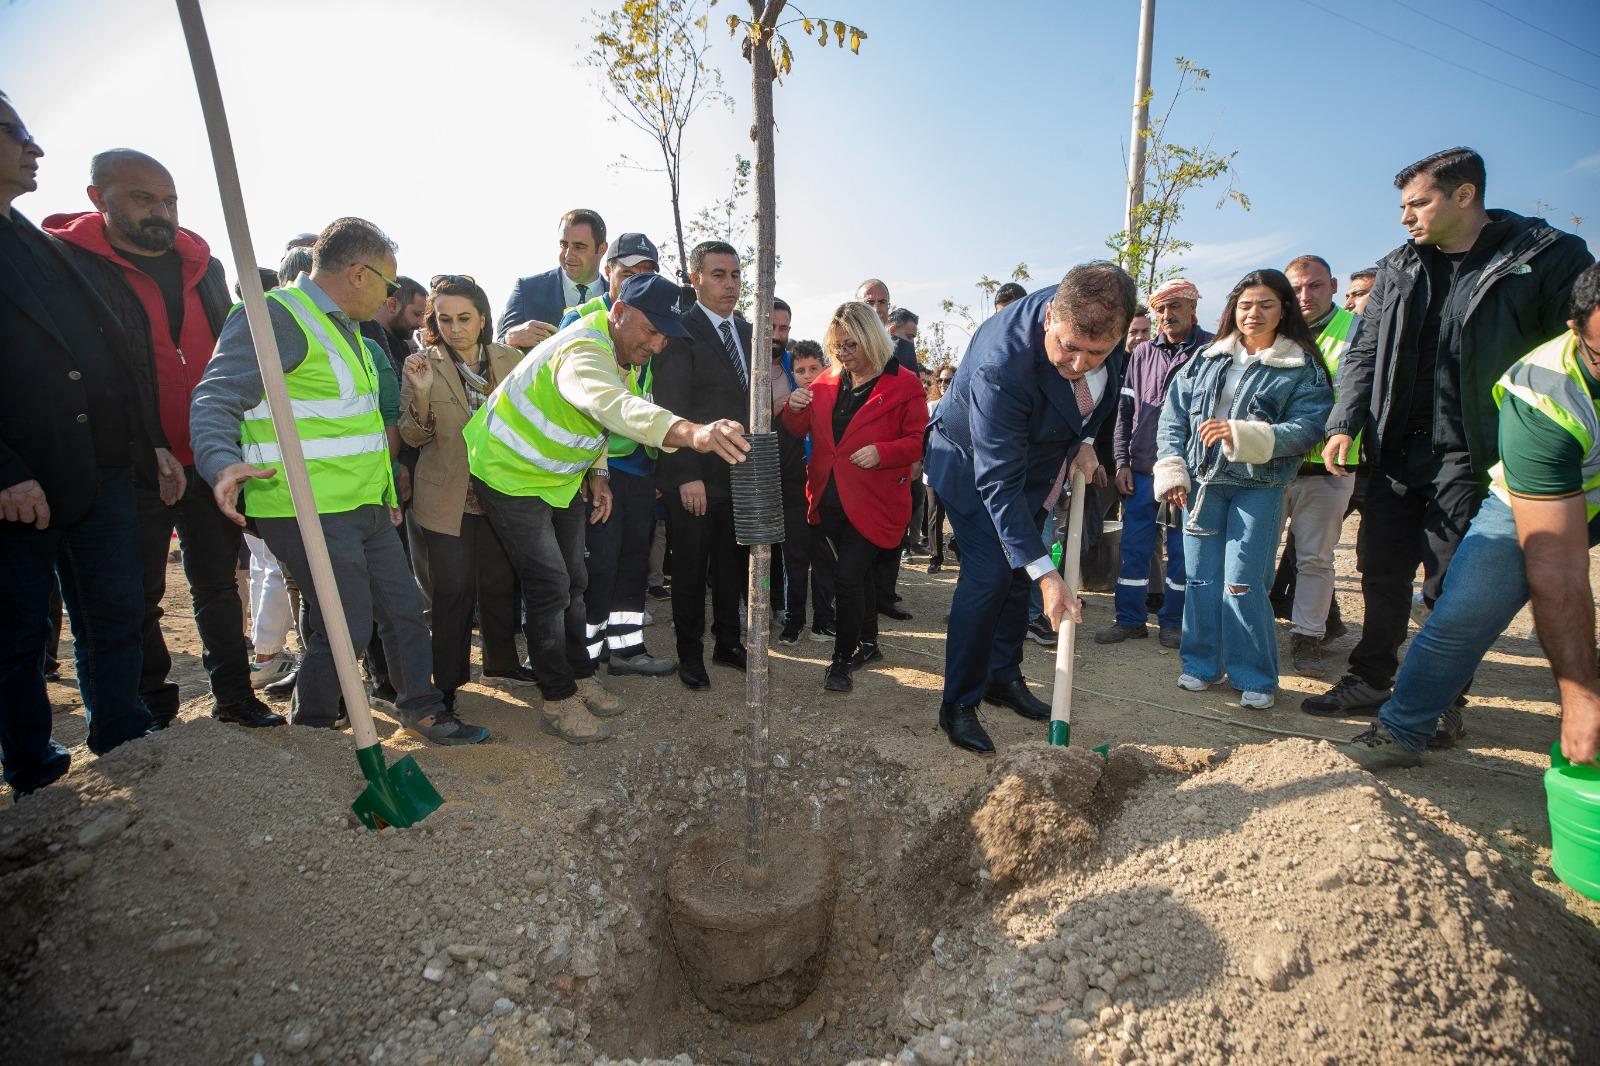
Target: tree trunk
<point x="760" y="590"/>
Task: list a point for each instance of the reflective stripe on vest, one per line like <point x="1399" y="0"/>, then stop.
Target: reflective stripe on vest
<point x="333" y="397"/>
<point x="638" y="380"/>
<point x="527" y="439"/>
<point x="1333" y="342"/>
<point x="1550" y="380"/>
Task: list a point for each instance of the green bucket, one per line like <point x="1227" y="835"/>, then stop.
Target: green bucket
<point x="1573" y="795"/>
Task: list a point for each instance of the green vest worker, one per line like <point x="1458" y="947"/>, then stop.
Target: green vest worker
<point x="1529" y="540"/>
<point x="333" y="394"/>
<point x="533" y="446"/>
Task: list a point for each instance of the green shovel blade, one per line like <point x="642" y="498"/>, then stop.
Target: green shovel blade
<point x="400" y="795"/>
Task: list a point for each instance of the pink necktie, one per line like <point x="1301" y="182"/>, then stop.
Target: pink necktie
<point x="1080" y="389"/>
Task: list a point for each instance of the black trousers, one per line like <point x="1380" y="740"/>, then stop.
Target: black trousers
<point x="856" y="560"/>
<point x="704" y="551"/>
<point x="210" y="546"/>
<point x="934" y="526"/>
<point x="619" y="564"/>
<point x="886" y="571"/>
<point x="917" y="533"/>
<point x="1417" y="509"/>
<point x="466" y="571"/>
<point x="797" y="551"/>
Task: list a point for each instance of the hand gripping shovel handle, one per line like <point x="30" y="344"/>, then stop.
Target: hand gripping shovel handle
<point x="1067" y="639"/>
<point x="293" y="464"/>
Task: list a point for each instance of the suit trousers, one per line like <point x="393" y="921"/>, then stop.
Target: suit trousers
<point x="704" y="551"/>
<point x="210" y="546"/>
<point x="98" y="566"/>
<point x="988" y="614"/>
<point x="933" y="532"/>
<point x="619" y="563"/>
<point x="466" y="571"/>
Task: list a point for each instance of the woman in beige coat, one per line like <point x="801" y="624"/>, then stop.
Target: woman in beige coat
<point x="458" y="559"/>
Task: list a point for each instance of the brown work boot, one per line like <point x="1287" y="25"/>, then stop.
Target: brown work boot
<point x="601" y="704"/>
<point x="570" y="720"/>
<point x="1306" y="653"/>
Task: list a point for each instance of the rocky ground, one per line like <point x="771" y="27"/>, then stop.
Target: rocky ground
<point x="1216" y="891"/>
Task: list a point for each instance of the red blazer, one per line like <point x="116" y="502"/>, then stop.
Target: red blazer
<point x="894" y="417"/>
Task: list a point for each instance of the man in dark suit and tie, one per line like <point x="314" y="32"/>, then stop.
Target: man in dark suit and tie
<point x="705" y="377"/>
<point x="538" y="302"/>
<point x="82" y="424"/>
<point x="1037" y="382"/>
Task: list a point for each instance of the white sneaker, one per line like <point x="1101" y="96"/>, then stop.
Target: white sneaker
<point x="1260" y="701"/>
<point x="274" y="669"/>
<point x="1193" y="684"/>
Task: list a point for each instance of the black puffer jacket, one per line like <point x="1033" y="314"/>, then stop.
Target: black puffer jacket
<point x="1518" y="299"/>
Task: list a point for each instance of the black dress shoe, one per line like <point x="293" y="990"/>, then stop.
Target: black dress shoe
<point x="897" y="613"/>
<point x="1015" y="694"/>
<point x="734" y="657"/>
<point x="693" y="675"/>
<point x="961" y="725"/>
<point x="252" y="715"/>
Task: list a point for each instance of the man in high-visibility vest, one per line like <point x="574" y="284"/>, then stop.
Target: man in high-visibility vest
<point x="540" y="442"/>
<point x="1530" y="539"/>
<point x="1316" y="502"/>
<point x="333" y="392"/>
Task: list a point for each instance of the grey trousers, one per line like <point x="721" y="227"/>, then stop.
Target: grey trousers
<point x="375" y="582"/>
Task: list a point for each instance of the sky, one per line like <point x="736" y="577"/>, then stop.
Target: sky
<point x="963" y="139"/>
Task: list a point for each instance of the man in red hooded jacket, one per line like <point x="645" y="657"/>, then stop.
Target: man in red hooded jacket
<point x="172" y="298"/>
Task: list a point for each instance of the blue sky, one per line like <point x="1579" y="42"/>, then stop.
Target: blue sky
<point x="962" y="140"/>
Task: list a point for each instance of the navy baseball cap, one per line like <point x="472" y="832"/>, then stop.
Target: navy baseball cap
<point x="632" y="249"/>
<point x="658" y="299"/>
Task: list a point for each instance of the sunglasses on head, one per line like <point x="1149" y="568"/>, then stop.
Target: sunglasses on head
<point x="451" y="279"/>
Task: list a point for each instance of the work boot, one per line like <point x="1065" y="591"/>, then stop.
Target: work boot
<point x="1377" y="749"/>
<point x="1116" y="633"/>
<point x="1171" y="637"/>
<point x="446" y="729"/>
<point x="601" y="704"/>
<point x="1306" y="653"/>
<point x="1450" y="730"/>
<point x="642" y="664"/>
<point x="1351" y="697"/>
<point x="961" y="725"/>
<point x="570" y="720"/>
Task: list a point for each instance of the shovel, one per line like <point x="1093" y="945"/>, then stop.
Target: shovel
<point x="399" y="795"/>
<point x="1066" y="641"/>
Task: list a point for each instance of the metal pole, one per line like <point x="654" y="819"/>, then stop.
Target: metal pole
<point x="1141" y="111"/>
<point x="293" y="463"/>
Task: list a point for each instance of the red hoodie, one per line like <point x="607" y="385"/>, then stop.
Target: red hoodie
<point x="178" y="367"/>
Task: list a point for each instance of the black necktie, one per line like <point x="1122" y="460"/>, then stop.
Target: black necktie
<point x="733" y="353"/>
<point x="583" y="294"/>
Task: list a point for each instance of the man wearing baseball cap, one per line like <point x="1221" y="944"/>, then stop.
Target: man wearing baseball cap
<point x="537" y="451"/>
<point x="630" y="254"/>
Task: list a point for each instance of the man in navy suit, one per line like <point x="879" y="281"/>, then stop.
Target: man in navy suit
<point x="538" y="302"/>
<point x="1037" y="382"/>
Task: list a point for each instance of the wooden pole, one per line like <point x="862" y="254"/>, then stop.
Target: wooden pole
<point x="1067" y="639"/>
<point x="757" y="696"/>
<point x="292" y="462"/>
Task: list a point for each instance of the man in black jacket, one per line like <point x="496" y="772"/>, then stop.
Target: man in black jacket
<point x="84" y="418"/>
<point x="704" y="379"/>
<point x="1472" y="292"/>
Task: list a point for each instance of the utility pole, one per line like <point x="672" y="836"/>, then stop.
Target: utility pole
<point x="1141" y="112"/>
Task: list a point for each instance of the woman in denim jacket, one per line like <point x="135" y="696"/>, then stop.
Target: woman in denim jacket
<point x="1237" y="422"/>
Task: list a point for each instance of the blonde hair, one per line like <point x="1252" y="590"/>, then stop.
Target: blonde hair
<point x="861" y="324"/>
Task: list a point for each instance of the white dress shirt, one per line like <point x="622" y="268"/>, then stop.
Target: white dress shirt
<point x="1097" y="379"/>
<point x="569" y="290"/>
<point x="733" y="327"/>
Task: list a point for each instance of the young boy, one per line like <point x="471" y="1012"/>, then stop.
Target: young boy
<point x="800" y="544"/>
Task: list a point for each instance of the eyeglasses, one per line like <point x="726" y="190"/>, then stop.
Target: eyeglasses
<point x="947" y="379"/>
<point x="19" y="133"/>
<point x="843" y="348"/>
<point x="391" y="286"/>
<point x="451" y="279"/>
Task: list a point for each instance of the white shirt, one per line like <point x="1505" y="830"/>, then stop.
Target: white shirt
<point x="569" y="290"/>
<point x="1097" y="379"/>
<point x="733" y="328"/>
<point x="1230" y="380"/>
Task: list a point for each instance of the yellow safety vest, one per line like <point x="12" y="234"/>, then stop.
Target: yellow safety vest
<point x="1550" y="380"/>
<point x="333" y="394"/>
<point x="1333" y="342"/>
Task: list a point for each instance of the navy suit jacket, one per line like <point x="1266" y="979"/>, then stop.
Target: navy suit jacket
<point x="1000" y="433"/>
<point x="538" y="297"/>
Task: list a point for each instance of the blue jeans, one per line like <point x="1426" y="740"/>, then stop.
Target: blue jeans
<point x="1139" y="533"/>
<point x="1229" y="543"/>
<point x="1484" y="588"/>
<point x="97" y="560"/>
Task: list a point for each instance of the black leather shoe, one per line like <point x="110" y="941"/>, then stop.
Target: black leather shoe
<point x="1015" y="694"/>
<point x="961" y="725"/>
<point x="693" y="675"/>
<point x="897" y="613"/>
<point x="252" y="715"/>
<point x="734" y="657"/>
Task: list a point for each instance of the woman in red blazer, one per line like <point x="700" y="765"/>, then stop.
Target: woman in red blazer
<point x="866" y="415"/>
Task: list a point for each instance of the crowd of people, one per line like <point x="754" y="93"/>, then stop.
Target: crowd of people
<point x="559" y="469"/>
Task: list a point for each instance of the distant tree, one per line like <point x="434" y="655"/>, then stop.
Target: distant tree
<point x="728" y="219"/>
<point x="933" y="347"/>
<point x="987" y="286"/>
<point x="1172" y="172"/>
<point x="651" y="60"/>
